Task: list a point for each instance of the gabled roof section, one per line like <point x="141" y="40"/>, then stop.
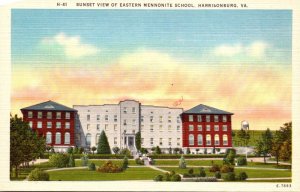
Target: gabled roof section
<point x="49" y="106"/>
<point x="204" y="109"/>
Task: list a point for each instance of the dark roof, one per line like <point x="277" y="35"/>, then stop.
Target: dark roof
<point x="49" y="105"/>
<point x="203" y="109"/>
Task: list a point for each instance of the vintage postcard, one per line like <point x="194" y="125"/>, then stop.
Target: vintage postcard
<point x="150" y="95"/>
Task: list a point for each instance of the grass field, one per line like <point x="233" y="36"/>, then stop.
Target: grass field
<point x="254" y="136"/>
<point x="136" y="173"/>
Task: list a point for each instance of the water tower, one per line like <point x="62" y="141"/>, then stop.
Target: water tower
<point x="245" y="125"/>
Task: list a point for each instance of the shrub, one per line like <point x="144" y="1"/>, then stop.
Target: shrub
<point x="202" y="172"/>
<point x="188" y="151"/>
<point x="139" y="161"/>
<point x="229" y="156"/>
<point x="84" y="160"/>
<point x="94" y="149"/>
<point x="191" y="171"/>
<point x="157" y="150"/>
<point x="206" y="179"/>
<point x="70" y="150"/>
<point x="125" y="152"/>
<point x="116" y="150"/>
<point x="242" y="176"/>
<point x="125" y="163"/>
<point x="172" y="173"/>
<point x="241" y="161"/>
<point x="80" y="150"/>
<point x="103" y="144"/>
<point x="109" y="167"/>
<point x="167" y="177"/>
<point x="144" y="151"/>
<point x="59" y="160"/>
<point x="214" y="168"/>
<point x="182" y="163"/>
<point x="227" y="168"/>
<point x="218" y="174"/>
<point x="38" y="175"/>
<point x="175" y="177"/>
<point x="158" y="178"/>
<point x="92" y="167"/>
<point x="230" y="176"/>
<point x="71" y="162"/>
<point x="176" y="150"/>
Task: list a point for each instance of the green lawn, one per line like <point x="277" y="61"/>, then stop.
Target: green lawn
<point x="136" y="173"/>
<point x="252" y="173"/>
<point x="99" y="162"/>
<point x="189" y="162"/>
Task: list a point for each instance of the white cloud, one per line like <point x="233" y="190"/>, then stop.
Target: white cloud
<point x="73" y="47"/>
<point x="256" y="49"/>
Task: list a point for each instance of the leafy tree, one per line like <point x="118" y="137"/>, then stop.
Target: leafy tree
<point x="229" y="156"/>
<point x="103" y="145"/>
<point x="70" y="150"/>
<point x="38" y="175"/>
<point x="138" y="141"/>
<point x="244" y="136"/>
<point x="125" y="163"/>
<point x="25" y="144"/>
<point x="202" y="172"/>
<point x="282" y="143"/>
<point x="264" y="145"/>
<point x="59" y="160"/>
<point x="94" y="149"/>
<point x="144" y="151"/>
<point x="188" y="151"/>
<point x="116" y="150"/>
<point x="176" y="150"/>
<point x="157" y="150"/>
<point x="182" y="163"/>
<point x="71" y="161"/>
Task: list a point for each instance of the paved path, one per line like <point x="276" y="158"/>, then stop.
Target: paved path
<point x="236" y="167"/>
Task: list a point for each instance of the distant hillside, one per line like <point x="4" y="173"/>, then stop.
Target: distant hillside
<point x="254" y="136"/>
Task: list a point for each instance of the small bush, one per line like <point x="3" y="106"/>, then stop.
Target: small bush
<point x="109" y="167"/>
<point x="241" y="161"/>
<point x="125" y="152"/>
<point x="206" y="179"/>
<point x="188" y="151"/>
<point x="227" y="168"/>
<point x="242" y="176"/>
<point x="230" y="176"/>
<point x="158" y="178"/>
<point x="191" y="171"/>
<point x="182" y="163"/>
<point x="202" y="172"/>
<point x="214" y="168"/>
<point x="218" y="174"/>
<point x="38" y="175"/>
<point x="175" y="177"/>
<point x="71" y="162"/>
<point x="139" y="161"/>
<point x="125" y="163"/>
<point x="59" y="160"/>
<point x="167" y="177"/>
<point x="92" y="167"/>
<point x="84" y="160"/>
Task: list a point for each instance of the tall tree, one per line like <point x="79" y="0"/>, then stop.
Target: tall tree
<point x="25" y="144"/>
<point x="264" y="145"/>
<point x="282" y="143"/>
<point x="103" y="145"/>
<point x="138" y="141"/>
<point x="244" y="136"/>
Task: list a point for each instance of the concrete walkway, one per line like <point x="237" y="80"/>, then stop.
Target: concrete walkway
<point x="236" y="167"/>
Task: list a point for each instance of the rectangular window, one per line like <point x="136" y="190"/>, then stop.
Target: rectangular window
<point x="106" y="127"/>
<point x="88" y="117"/>
<point x="58" y="125"/>
<point x="160" y="141"/>
<point x="142" y="118"/>
<point x="160" y="128"/>
<point x="106" y="118"/>
<point x="49" y="115"/>
<point x="216" y="118"/>
<point x="151" y="128"/>
<point x="58" y="115"/>
<point x="224" y="118"/>
<point x="30" y="124"/>
<point x="115" y="118"/>
<point x="178" y="127"/>
<point x="178" y="119"/>
<point x="115" y="141"/>
<point x="191" y="127"/>
<point x="29" y="114"/>
<point x="207" y="118"/>
<point x="124" y="109"/>
<point x="151" y="119"/>
<point x="124" y="122"/>
<point x="190" y="118"/>
<point x="133" y="109"/>
<point x="68" y="115"/>
<point x="88" y="127"/>
<point x="40" y="115"/>
<point x="216" y="127"/>
<point x="207" y="127"/>
<point x="199" y="127"/>
<point x="199" y="117"/>
<point x="170" y="141"/>
<point x="49" y="125"/>
<point x="115" y="127"/>
<point x="200" y="140"/>
<point x="98" y="117"/>
<point x="67" y="125"/>
<point x="178" y="141"/>
<point x="151" y="141"/>
<point x="133" y="121"/>
<point x="224" y="127"/>
<point x="39" y="124"/>
<point x="169" y="119"/>
<point x="169" y="128"/>
<point x="160" y="119"/>
<point x="98" y="127"/>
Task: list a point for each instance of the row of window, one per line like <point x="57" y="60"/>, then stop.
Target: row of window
<point x="208" y="128"/>
<point x="161" y="141"/>
<point x="207" y="139"/>
<point x="88" y="139"/>
<point x="58" y="115"/>
<point x="57" y="138"/>
<point x="200" y="118"/>
<point x="49" y="125"/>
<point x="160" y="128"/>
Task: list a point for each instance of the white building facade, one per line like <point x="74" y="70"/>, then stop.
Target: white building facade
<point x="159" y="126"/>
